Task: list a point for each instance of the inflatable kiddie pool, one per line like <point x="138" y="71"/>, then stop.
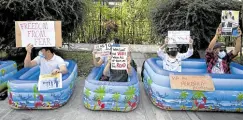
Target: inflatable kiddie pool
<point x="228" y="94"/>
<point x="7" y="70"/>
<point x="23" y="92"/>
<point x="112" y="96"/>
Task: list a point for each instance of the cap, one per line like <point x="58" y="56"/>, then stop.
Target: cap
<point x="218" y="45"/>
<point x="172" y="46"/>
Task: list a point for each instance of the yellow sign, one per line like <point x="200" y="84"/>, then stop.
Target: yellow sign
<point x="49" y="81"/>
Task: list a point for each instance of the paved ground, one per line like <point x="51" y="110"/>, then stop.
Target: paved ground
<point x="74" y="109"/>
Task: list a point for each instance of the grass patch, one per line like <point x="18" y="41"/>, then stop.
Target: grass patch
<point x="82" y="58"/>
<point x="150" y="55"/>
<point x="3" y="54"/>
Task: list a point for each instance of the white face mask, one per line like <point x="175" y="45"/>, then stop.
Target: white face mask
<point x="222" y="54"/>
<point x="41" y="54"/>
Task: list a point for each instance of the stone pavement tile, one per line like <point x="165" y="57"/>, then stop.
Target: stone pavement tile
<point x="219" y="116"/>
<point x="179" y="115"/>
<point x="193" y="115"/>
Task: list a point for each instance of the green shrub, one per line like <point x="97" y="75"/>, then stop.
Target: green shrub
<point x="70" y="12"/>
<point x="201" y="17"/>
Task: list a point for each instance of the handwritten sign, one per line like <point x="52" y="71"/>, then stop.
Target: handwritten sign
<point x="38" y="33"/>
<point x="178" y="37"/>
<point x="229" y="22"/>
<point x="185" y="82"/>
<point x="102" y="49"/>
<point x="119" y="58"/>
<point x="49" y="81"/>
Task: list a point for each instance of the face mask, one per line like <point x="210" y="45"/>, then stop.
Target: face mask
<point x="41" y="54"/>
<point x="172" y="53"/>
<point x="222" y="54"/>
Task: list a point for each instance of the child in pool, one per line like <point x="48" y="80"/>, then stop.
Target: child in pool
<point x="171" y="57"/>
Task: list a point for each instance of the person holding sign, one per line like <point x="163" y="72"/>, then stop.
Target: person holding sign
<point x="118" y="75"/>
<point x="171" y="56"/>
<point x="49" y="62"/>
<point x="217" y="59"/>
<point x="104" y="59"/>
<point x="230" y="22"/>
<point x="118" y="72"/>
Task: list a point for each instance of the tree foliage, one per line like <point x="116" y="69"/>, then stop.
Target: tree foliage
<point x="131" y="17"/>
<point x="70" y="12"/>
<point x="201" y="17"/>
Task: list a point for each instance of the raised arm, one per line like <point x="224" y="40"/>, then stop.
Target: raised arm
<point x="107" y="67"/>
<point x="97" y="63"/>
<point x="189" y="52"/>
<point x="161" y="51"/>
<point x="27" y="61"/>
<point x="214" y="40"/>
<point x="237" y="43"/>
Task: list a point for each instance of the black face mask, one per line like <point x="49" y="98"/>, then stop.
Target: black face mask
<point x="172" y="53"/>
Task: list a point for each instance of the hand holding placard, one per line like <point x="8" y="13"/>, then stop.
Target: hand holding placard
<point x="28" y="48"/>
<point x="102" y="50"/>
<point x="229" y="22"/>
<point x="179" y="37"/>
<point x="38" y="33"/>
<point x="119" y="58"/>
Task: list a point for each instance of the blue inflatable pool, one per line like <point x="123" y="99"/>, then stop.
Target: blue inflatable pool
<point x="228" y="94"/>
<point x="7" y="70"/>
<point x="112" y="96"/>
<point x="23" y="92"/>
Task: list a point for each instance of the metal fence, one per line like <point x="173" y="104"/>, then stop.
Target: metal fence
<point x="135" y="29"/>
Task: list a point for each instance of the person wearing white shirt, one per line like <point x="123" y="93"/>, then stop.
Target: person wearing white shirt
<point x="49" y="62"/>
<point x="171" y="57"/>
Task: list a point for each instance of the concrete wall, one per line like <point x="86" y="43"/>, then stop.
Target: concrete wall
<point x="134" y="47"/>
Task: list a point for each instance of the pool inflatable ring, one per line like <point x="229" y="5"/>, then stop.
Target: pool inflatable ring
<point x="23" y="92"/>
<point x="7" y="70"/>
<point x="112" y="96"/>
<point x="228" y="94"/>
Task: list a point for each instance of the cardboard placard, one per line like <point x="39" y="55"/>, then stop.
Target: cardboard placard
<point x="38" y="33"/>
<point x="230" y="23"/>
<point x="102" y="49"/>
<point x="49" y="81"/>
<point x="178" y="37"/>
<point x="186" y="82"/>
<point x="119" y="58"/>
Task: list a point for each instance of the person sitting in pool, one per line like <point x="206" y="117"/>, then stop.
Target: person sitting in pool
<point x="104" y="59"/>
<point x="118" y="75"/>
<point x="49" y="62"/>
<point x="171" y="57"/>
<point x="217" y="59"/>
